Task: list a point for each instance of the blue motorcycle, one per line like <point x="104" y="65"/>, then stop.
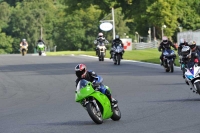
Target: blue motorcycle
<point x="168" y="60"/>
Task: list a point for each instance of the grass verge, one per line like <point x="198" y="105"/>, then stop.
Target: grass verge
<point x="147" y="55"/>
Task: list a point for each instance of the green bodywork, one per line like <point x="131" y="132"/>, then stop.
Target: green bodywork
<point x="86" y="90"/>
<point x="40" y="47"/>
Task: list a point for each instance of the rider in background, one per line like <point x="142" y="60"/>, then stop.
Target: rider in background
<point x="181" y="45"/>
<point x="194" y="47"/>
<point x="23" y="43"/>
<point x="165" y="45"/>
<point x="114" y="42"/>
<point x="40" y="40"/>
<point x="99" y="39"/>
<point x="189" y="56"/>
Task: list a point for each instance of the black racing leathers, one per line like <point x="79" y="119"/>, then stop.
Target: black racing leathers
<point x="93" y="77"/>
<point x="40" y="41"/>
<point x="89" y="76"/>
<point x="114" y="43"/>
<point x="164" y="47"/>
<point x="98" y="41"/>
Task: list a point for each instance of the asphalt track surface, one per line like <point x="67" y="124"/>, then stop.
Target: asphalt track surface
<point x="37" y="96"/>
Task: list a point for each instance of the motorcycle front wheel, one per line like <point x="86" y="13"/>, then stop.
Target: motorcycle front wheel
<point x="172" y="66"/>
<point x="23" y="52"/>
<point x="40" y="53"/>
<point x="116" y="114"/>
<point x="197" y="84"/>
<point x="118" y="59"/>
<point x="94" y="114"/>
<point x="102" y="56"/>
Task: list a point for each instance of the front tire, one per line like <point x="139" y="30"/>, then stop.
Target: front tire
<point x="197" y="84"/>
<point x="40" y="53"/>
<point x="95" y="116"/>
<point x="116" y="114"/>
<point x="102" y="56"/>
<point x="172" y="66"/>
<point x="118" y="59"/>
<point x="167" y="69"/>
<point x="23" y="52"/>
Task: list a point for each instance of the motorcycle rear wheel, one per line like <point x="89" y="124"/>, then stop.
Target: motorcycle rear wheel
<point x="95" y="116"/>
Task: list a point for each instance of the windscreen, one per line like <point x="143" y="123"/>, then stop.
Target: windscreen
<point x="82" y="83"/>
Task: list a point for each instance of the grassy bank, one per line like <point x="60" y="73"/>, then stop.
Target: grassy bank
<point x="147" y="55"/>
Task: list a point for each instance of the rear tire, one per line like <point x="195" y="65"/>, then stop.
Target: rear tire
<point x="95" y="116"/>
<point x="116" y="114"/>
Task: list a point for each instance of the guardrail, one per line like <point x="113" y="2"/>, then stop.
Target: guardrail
<point x="143" y="45"/>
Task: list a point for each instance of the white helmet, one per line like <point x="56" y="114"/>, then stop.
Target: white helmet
<point x="100" y="34"/>
<point x="186" y="51"/>
<point x="192" y="44"/>
<point x="165" y="40"/>
<point x="23" y="40"/>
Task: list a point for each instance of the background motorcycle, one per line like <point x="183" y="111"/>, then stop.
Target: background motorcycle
<point x="101" y="51"/>
<point x="168" y="60"/>
<point x="182" y="66"/>
<point x="96" y="103"/>
<point x="40" y="48"/>
<point x="117" y="54"/>
<point x="23" y="50"/>
<point x="192" y="76"/>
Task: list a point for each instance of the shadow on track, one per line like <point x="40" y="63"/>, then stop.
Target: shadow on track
<point x="71" y="123"/>
<point x="41" y="69"/>
<point x="68" y="68"/>
<point x="179" y="100"/>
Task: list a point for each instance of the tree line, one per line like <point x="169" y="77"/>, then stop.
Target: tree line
<point x="74" y="24"/>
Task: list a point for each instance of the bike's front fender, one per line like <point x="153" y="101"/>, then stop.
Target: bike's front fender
<point x="105" y="103"/>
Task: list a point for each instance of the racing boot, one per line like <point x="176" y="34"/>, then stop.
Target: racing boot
<point x="112" y="100"/>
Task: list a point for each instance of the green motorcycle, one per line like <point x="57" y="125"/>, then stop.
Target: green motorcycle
<point x="40" y="48"/>
<point x="96" y="103"/>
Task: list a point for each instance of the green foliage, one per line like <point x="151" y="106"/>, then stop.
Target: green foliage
<point x="5" y="43"/>
<point x="28" y="18"/>
<point x="78" y="28"/>
<point x="74" y="24"/>
<point x="164" y="12"/>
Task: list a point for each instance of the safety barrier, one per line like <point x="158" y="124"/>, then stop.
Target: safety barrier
<point x="189" y="36"/>
<point x="143" y="45"/>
